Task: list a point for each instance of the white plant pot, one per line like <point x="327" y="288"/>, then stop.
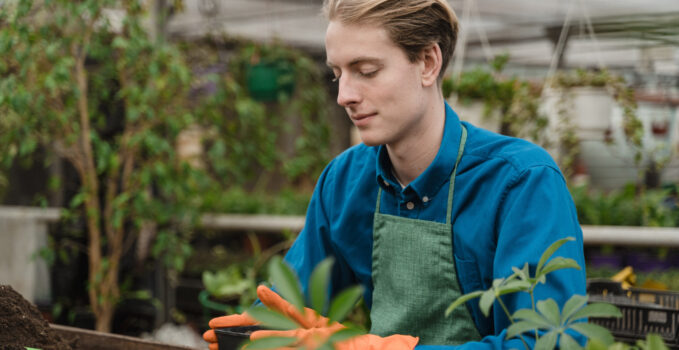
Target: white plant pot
<point x="589" y="108"/>
<point x="473" y="113"/>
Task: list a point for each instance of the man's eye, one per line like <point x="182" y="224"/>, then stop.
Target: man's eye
<point x="369" y="74"/>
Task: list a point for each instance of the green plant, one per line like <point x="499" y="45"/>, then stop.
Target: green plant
<point x="110" y="103"/>
<point x="549" y="325"/>
<point x="616" y="86"/>
<point x="228" y="282"/>
<point x="249" y="133"/>
<point x="516" y="100"/>
<point x="113" y="103"/>
<point x="287" y="284"/>
<point x="626" y="206"/>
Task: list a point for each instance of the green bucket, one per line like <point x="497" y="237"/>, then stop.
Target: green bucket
<point x="268" y="80"/>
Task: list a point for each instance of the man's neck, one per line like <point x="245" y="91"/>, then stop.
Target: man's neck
<point x="411" y="156"/>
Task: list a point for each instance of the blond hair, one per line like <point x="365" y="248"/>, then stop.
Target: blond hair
<point x="411" y="24"/>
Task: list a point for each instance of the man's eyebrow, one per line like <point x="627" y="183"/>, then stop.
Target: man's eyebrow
<point x="357" y="60"/>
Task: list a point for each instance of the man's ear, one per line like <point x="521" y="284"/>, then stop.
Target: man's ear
<point x="431" y="59"/>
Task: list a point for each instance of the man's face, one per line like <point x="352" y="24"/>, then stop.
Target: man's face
<point x="379" y="87"/>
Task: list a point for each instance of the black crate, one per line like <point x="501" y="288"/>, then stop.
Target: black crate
<point x="643" y="311"/>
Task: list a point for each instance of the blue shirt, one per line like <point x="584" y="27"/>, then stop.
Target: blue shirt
<point x="511" y="202"/>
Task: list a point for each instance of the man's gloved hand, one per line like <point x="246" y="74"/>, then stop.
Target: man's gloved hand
<point x="312" y="338"/>
<point x="236" y="320"/>
<point x="308" y="319"/>
<point x="273" y="301"/>
<point x="316" y="329"/>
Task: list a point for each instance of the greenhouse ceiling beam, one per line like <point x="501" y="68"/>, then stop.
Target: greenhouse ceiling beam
<point x="665" y="23"/>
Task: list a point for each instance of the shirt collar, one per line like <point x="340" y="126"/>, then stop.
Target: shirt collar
<point x="437" y="173"/>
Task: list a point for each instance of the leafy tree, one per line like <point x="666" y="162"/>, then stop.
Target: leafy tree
<point x="59" y="60"/>
<point x="114" y="103"/>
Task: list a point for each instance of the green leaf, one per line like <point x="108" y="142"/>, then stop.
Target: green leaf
<point x="568" y="343"/>
<point x="558" y="263"/>
<point x="285" y="282"/>
<point x="593" y="331"/>
<point x="532" y="316"/>
<point x="272" y="319"/>
<point x="270" y="343"/>
<point x="27" y="348"/>
<point x="486" y="301"/>
<point x="461" y="300"/>
<point x="575" y="303"/>
<point x="550" y="311"/>
<point x="318" y="284"/>
<point x="655" y="342"/>
<point x="594" y="344"/>
<point x="521" y="327"/>
<point x="549" y="251"/>
<point x="597" y="310"/>
<point x="344" y="334"/>
<point x="513" y="287"/>
<point x="344" y="302"/>
<point x="547" y="341"/>
<point x="523" y="273"/>
<point x="619" y="346"/>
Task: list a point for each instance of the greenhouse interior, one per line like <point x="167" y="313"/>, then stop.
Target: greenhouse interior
<point x="160" y="158"/>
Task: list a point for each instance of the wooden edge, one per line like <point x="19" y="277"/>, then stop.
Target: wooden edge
<point x="89" y="339"/>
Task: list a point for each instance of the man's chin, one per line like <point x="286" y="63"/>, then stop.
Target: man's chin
<point x="370" y="141"/>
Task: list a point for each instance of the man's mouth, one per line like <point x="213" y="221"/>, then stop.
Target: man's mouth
<point x="362" y="118"/>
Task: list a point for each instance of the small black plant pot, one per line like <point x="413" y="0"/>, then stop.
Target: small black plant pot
<point x="231" y="338"/>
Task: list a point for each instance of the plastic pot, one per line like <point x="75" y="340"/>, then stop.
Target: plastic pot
<point x="231" y="338"/>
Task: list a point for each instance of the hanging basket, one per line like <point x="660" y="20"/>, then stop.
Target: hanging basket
<point x="269" y="81"/>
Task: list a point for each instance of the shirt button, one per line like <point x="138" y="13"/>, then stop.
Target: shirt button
<point x="385" y="183"/>
<point x="425" y="199"/>
<point x="410" y="205"/>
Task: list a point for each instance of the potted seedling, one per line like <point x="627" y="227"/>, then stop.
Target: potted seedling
<point x="288" y="287"/>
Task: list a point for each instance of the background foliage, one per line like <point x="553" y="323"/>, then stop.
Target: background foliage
<point x="114" y="104"/>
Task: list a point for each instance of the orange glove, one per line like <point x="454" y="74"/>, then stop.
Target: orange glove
<point x="310" y="319"/>
<point x="316" y="329"/>
<point x="235" y="320"/>
<point x="274" y="302"/>
<point x="315" y="337"/>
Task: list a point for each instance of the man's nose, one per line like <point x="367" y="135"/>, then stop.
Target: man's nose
<point x="348" y="93"/>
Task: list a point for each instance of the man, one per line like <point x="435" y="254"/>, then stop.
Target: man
<point x="427" y="208"/>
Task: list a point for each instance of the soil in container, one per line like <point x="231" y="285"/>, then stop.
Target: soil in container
<point x="22" y="325"/>
<point x="231" y="338"/>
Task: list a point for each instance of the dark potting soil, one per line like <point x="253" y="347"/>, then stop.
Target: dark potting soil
<point x="22" y="325"/>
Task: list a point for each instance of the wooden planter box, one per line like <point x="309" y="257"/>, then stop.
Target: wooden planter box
<point x="92" y="340"/>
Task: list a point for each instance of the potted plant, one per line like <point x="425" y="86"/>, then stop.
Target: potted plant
<point x="268" y="71"/>
<point x="227" y="291"/>
<point x="490" y="100"/>
<point x="589" y="112"/>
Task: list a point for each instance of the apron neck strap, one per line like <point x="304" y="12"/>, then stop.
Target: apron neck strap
<point x="451" y="189"/>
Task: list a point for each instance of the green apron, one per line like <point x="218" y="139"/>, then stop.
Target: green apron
<point x="414" y="277"/>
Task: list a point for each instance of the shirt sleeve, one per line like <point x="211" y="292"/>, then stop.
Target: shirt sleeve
<point x="536" y="210"/>
<point x="313" y="244"/>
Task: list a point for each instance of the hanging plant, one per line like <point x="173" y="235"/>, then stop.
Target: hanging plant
<point x="516" y="100"/>
<point x="622" y="95"/>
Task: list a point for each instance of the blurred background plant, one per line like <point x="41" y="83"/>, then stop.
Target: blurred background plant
<point x="513" y="101"/>
<point x="627" y="206"/>
<point x="118" y="105"/>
